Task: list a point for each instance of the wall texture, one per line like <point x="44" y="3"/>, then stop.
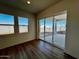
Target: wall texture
<point x="72" y="36"/>
<point x="13" y="39"/>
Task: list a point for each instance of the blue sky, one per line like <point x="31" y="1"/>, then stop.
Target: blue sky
<point x="49" y="23"/>
<point x="6" y="19"/>
<point x="23" y="21"/>
<point x="9" y="19"/>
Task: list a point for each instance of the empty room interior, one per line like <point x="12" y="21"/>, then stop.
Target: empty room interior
<point x="39" y="29"/>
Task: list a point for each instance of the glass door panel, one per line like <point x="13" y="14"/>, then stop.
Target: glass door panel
<point x="41" y="27"/>
<point x="60" y="30"/>
<point x="48" y="29"/>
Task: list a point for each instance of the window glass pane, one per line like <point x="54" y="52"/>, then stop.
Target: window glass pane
<point x="41" y="27"/>
<point x="23" y="24"/>
<point x="23" y="21"/>
<point x="6" y="30"/>
<point x="6" y="19"/>
<point x="6" y="24"/>
<point x="60" y="30"/>
<point x="23" y="29"/>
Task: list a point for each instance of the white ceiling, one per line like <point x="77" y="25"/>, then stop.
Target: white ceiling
<point x="35" y="6"/>
<point x="39" y="5"/>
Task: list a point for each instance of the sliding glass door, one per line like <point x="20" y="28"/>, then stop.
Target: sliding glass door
<point x="53" y="30"/>
<point x="49" y="29"/>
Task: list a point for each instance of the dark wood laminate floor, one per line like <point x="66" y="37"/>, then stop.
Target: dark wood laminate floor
<point x="36" y="49"/>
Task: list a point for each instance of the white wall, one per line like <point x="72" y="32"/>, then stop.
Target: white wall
<point x="72" y="37"/>
<point x="13" y="39"/>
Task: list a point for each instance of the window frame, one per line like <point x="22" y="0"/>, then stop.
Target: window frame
<point x="23" y="25"/>
<point x="8" y="24"/>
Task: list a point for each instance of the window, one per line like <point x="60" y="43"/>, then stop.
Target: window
<point x="23" y="24"/>
<point x="6" y="24"/>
